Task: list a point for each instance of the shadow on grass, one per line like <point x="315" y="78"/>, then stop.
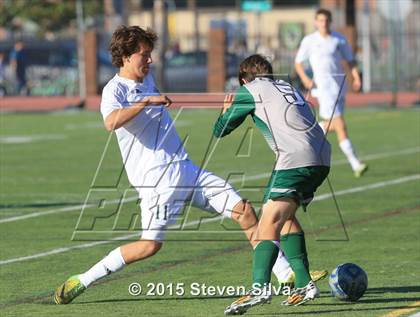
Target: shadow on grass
<point x="365" y="300"/>
<point x="144" y="298"/>
<point x="359" y="306"/>
<point x="398" y="289"/>
<point x="329" y="311"/>
<point x="370" y="301"/>
<point x="378" y="291"/>
<point x="48" y="300"/>
<point x="333" y="308"/>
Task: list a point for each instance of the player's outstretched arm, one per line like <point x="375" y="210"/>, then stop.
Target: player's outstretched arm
<point x="119" y="117"/>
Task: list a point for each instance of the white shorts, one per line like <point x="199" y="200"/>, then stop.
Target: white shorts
<point x="331" y="93"/>
<point x="329" y="106"/>
<point x="175" y="184"/>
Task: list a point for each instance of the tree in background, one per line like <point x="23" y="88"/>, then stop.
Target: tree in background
<point x="50" y="16"/>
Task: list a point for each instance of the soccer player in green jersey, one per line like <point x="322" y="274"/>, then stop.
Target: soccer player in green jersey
<point x="302" y="163"/>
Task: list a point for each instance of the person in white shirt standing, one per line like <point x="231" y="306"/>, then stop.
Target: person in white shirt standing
<point x="325" y="50"/>
<point x="157" y="164"/>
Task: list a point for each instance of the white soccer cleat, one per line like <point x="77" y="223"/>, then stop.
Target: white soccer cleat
<point x="300" y="296"/>
<point x="254" y="297"/>
<point x="360" y="170"/>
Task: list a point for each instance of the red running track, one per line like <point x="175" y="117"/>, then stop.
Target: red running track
<point x="193" y="100"/>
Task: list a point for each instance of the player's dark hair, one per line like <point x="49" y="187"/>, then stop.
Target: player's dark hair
<point x="254" y="66"/>
<point x="126" y="40"/>
<point x="325" y="12"/>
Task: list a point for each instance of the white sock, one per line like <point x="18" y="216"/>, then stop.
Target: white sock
<point x="281" y="268"/>
<point x="111" y="263"/>
<point x="348" y="151"/>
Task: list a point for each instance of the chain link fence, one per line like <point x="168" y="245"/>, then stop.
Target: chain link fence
<point x="393" y="61"/>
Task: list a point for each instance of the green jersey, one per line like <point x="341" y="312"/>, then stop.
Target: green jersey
<point x="284" y="118"/>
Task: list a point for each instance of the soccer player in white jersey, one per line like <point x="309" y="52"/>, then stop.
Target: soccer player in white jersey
<point x="302" y="163"/>
<point x="156" y="163"/>
<point x="325" y="49"/>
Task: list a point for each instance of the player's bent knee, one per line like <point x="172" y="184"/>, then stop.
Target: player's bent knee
<point x="244" y="214"/>
<point x="140" y="250"/>
<point x="155" y="247"/>
<point x="151" y="247"/>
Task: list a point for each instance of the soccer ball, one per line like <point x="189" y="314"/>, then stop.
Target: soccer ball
<point x="348" y="282"/>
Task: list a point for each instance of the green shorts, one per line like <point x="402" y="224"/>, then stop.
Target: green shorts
<point x="297" y="183"/>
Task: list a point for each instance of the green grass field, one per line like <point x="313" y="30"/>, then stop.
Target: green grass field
<point x="48" y="164"/>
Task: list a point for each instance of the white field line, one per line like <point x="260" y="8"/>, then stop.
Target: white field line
<point x="232" y="181"/>
<point x="95" y="243"/>
<point x="368" y="187"/>
<point x="375" y="156"/>
<point x="60" y="210"/>
<point x="20" y="139"/>
<point x="195" y="222"/>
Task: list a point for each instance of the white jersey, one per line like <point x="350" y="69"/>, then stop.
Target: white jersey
<point x="148" y="140"/>
<point x="325" y="55"/>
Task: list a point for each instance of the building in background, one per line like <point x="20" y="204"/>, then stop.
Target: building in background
<point x="385" y="35"/>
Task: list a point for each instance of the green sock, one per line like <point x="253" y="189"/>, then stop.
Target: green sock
<point x="265" y="255"/>
<point x="294" y="248"/>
